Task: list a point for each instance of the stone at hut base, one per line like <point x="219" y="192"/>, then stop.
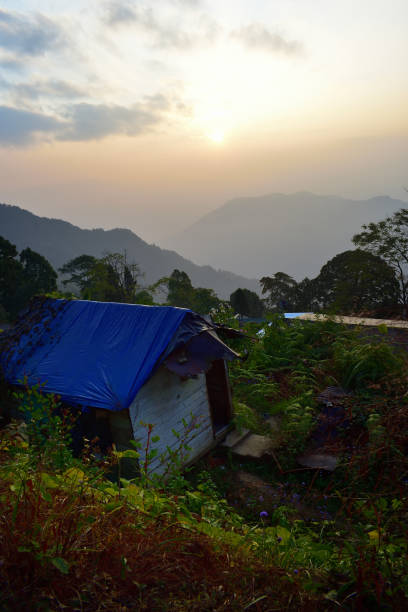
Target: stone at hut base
<point x="254" y="446"/>
<point x="319" y="461"/>
<point x="234" y="437"/>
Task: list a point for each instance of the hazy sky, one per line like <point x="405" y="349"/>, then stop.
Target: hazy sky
<point x="150" y="114"/>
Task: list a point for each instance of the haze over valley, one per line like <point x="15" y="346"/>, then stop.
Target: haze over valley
<point x="232" y="247"/>
<point x="294" y="233"/>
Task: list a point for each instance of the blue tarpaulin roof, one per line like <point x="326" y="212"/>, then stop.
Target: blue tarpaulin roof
<point x="90" y="353"/>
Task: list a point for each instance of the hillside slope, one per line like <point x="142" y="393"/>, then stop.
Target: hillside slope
<point x="60" y="241"/>
<point x="294" y="233"/>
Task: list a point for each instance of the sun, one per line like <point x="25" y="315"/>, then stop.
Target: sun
<point x="217" y="136"/>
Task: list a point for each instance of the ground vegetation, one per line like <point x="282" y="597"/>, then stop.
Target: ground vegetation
<point x="228" y="534"/>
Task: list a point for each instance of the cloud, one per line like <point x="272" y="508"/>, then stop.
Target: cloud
<point x="14" y="64"/>
<point x="163" y="35"/>
<point x="84" y="121"/>
<point x="123" y="13"/>
<point x="52" y="88"/>
<point x="20" y="127"/>
<point x="193" y="4"/>
<point x="158" y="102"/>
<point x="258" y="37"/>
<point x="28" y="35"/>
<point x="96" y="121"/>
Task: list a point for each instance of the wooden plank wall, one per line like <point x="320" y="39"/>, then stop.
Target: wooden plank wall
<point x="165" y="401"/>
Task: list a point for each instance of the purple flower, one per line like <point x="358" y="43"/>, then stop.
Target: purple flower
<point x="296" y="571"/>
<point x="261" y="498"/>
<point x="263" y="514"/>
<point x="279" y="539"/>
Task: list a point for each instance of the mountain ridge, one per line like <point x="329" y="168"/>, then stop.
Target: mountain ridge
<point x="59" y="241"/>
<point x="293" y="233"/>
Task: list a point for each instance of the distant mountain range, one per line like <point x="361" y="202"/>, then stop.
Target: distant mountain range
<point x="296" y="233"/>
<point x="60" y="241"/>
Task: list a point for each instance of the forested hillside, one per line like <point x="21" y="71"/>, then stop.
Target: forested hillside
<point x="60" y="241"/>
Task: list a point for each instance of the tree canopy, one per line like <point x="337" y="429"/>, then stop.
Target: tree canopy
<point x="38" y="274"/>
<point x="180" y="290"/>
<point x="111" y="278"/>
<point x="11" y="272"/>
<point x="355" y="280"/>
<point x="247" y="303"/>
<point x="389" y="239"/>
<point x="281" y="291"/>
<point x="349" y="282"/>
<point x="23" y="276"/>
<point x="79" y="271"/>
<point x="181" y="293"/>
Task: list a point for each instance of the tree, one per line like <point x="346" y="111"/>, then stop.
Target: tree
<point x="38" y="274"/>
<point x="108" y="279"/>
<point x="181" y="293"/>
<point x="356" y="280"/>
<point x="307" y="298"/>
<point x="144" y="297"/>
<point x="247" y="303"/>
<point x="282" y="290"/>
<point x="23" y="277"/>
<point x="388" y="239"/>
<point x="11" y="274"/>
<point x="79" y="271"/>
<point x="205" y="300"/>
<point x="122" y="276"/>
<point x="180" y="290"/>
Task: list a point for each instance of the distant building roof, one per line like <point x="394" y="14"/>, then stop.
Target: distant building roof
<point x="367" y="322"/>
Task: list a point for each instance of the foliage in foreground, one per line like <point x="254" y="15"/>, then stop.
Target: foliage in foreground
<point x="364" y="502"/>
<point x="308" y="540"/>
<point x="69" y="538"/>
<point x="86" y="549"/>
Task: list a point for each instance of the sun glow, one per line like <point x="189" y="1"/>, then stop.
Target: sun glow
<point x="217" y="136"/>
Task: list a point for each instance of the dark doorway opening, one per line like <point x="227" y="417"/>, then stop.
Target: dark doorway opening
<point x="219" y="395"/>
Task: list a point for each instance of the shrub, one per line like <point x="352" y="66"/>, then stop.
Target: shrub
<point x="360" y="363"/>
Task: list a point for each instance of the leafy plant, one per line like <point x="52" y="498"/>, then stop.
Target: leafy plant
<point x="361" y="363"/>
<point x="49" y="425"/>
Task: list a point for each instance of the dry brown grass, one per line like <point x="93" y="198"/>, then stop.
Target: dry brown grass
<point x="120" y="559"/>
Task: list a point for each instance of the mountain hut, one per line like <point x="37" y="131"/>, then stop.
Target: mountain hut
<point x="124" y="367"/>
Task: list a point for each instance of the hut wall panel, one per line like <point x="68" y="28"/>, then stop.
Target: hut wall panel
<point x="202" y="441"/>
<point x="165" y="401"/>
